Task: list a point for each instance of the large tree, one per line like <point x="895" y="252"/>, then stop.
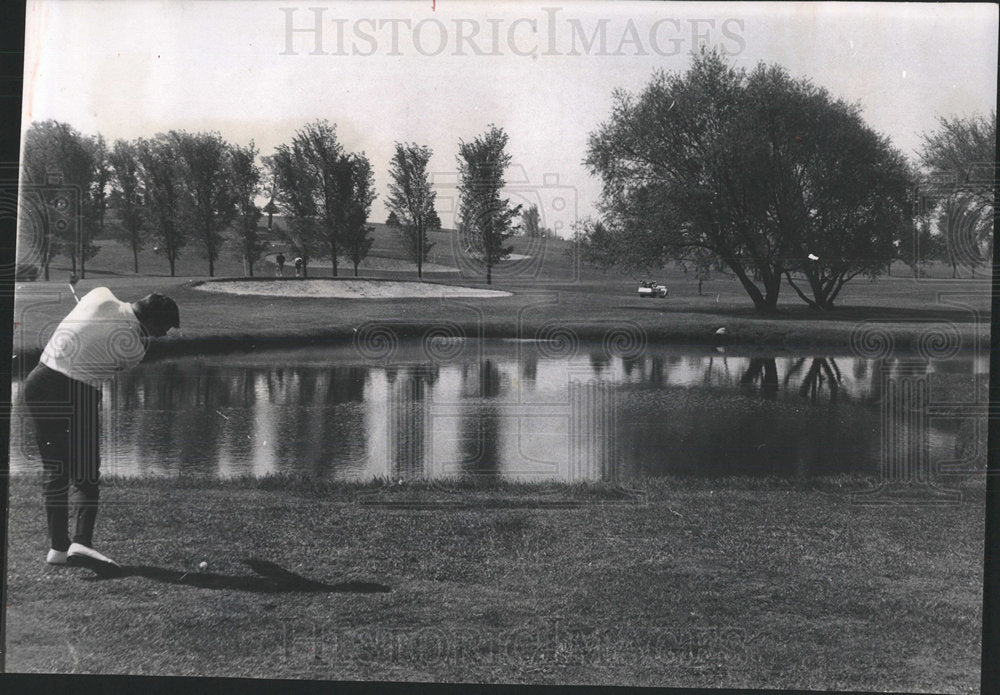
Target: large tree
<point x="166" y="205"/>
<point x="295" y="189"/>
<point x="965" y="149"/>
<point x="272" y="192"/>
<point x="246" y="182"/>
<point x="737" y="164"/>
<point x="209" y="187"/>
<point x="844" y="193"/>
<point x="357" y="195"/>
<point x="95" y="202"/>
<point x="917" y="245"/>
<point x="486" y="219"/>
<point x="322" y="155"/>
<point x="126" y="195"/>
<point x="531" y="222"/>
<point x="58" y="163"/>
<point x="965" y="229"/>
<point x="958" y="187"/>
<point x="411" y="199"/>
<point x="675" y="179"/>
<point x="326" y="193"/>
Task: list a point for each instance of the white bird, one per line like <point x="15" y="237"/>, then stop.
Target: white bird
<point x="813" y="257"/>
<point x="721" y="331"/>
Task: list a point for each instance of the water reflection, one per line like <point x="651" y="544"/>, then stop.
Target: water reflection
<point x="514" y="411"/>
<point x="821" y="372"/>
<point x="761" y="375"/>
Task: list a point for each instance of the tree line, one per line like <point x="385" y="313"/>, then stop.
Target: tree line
<point x="180" y="189"/>
<point x="756" y="172"/>
<point x="779" y="182"/>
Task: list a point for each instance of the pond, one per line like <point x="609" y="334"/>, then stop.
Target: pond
<point x="534" y="411"/>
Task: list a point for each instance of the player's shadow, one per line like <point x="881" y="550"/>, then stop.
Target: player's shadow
<point x="270" y="578"/>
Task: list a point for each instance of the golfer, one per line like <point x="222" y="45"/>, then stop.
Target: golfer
<point x="279" y="264"/>
<point x="99" y="338"/>
<point x="298" y="267"/>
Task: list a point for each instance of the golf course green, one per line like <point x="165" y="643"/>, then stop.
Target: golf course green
<point x="728" y="582"/>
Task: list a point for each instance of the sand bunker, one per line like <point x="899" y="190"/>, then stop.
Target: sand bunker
<point x="347" y="289"/>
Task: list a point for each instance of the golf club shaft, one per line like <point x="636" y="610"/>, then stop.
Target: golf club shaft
<point x="73" y="290"/>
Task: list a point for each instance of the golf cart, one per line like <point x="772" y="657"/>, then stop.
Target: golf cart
<point x="652" y="289"/>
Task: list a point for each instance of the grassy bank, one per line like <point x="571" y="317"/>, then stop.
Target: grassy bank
<point x="590" y="309"/>
<point x="732" y="583"/>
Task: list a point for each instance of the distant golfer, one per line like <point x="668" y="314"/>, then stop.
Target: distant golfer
<point x="100" y="337"/>
<point x="279" y="263"/>
<point x="298" y="267"/>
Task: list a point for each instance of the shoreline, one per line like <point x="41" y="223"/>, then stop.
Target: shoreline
<point x="474" y="492"/>
<point x="878" y="323"/>
<point x="872" y="341"/>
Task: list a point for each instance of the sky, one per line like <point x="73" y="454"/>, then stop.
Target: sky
<point x="436" y="72"/>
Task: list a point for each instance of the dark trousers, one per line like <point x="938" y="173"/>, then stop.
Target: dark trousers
<point x="66" y="415"/>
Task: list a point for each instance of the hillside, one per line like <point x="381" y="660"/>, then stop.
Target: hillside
<point x="551" y="257"/>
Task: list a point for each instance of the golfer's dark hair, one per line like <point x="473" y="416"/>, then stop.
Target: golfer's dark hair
<point x="159" y="308"/>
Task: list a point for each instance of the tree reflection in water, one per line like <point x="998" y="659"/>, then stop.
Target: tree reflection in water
<point x="406" y="411"/>
<point x="668" y="410"/>
<point x="762" y="372"/>
<point x="481" y="426"/>
<point x="822" y="372"/>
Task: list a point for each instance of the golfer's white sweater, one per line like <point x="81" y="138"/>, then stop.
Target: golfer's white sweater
<point x="100" y="337"/>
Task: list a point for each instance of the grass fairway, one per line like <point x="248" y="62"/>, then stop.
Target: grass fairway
<point x="590" y="303"/>
<point x="725" y="583"/>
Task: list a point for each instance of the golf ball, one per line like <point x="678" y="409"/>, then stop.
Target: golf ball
<point x="203" y="565"/>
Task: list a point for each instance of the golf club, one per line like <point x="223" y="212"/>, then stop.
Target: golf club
<point x="73" y="279"/>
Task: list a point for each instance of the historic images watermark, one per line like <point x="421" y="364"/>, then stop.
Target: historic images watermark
<point x="578" y="425"/>
<point x="551" y="31"/>
<point x="960" y="205"/>
<point x="909" y="403"/>
<point x="557" y="211"/>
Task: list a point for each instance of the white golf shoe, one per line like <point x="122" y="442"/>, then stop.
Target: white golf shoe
<point x="79" y="552"/>
<point x="56" y="557"/>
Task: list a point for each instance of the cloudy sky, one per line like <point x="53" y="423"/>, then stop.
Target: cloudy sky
<point x="437" y="71"/>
